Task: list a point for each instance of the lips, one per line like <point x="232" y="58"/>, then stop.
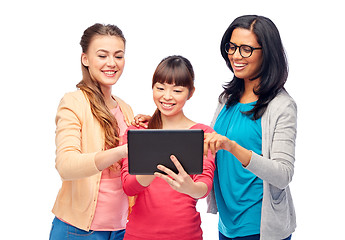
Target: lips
<point x="167" y="106"/>
<point x="109" y="73"/>
<point x="239" y="66"/>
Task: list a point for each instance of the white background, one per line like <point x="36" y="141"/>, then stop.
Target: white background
<point x="40" y="61"/>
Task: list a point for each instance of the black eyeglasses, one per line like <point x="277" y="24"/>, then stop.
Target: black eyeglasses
<point x="245" y="50"/>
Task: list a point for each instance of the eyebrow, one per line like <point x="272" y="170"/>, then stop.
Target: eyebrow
<point x="103" y="50"/>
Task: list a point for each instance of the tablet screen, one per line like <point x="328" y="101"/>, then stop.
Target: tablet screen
<point x="149" y="147"/>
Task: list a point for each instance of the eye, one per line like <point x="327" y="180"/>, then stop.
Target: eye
<point x="179" y="89"/>
<point x="246" y="49"/>
<point x="119" y="57"/>
<point x="232" y="47"/>
<point x="102" y="56"/>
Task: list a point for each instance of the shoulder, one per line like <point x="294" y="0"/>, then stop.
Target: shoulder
<point x="283" y="98"/>
<point x="75" y="103"/>
<point x="205" y="128"/>
<point x="76" y="96"/>
<point x="281" y="103"/>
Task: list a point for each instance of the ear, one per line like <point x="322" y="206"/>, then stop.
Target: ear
<point x="191" y="93"/>
<point x="84" y="60"/>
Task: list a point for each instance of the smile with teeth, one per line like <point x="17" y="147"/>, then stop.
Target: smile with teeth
<point x="239" y="66"/>
<point x="109" y="73"/>
<point x="167" y="105"/>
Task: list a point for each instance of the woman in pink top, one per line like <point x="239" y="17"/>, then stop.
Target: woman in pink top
<point x="165" y="204"/>
<point x="89" y="125"/>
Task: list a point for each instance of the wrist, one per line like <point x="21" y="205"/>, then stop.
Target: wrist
<point x="232" y="146"/>
<point x="200" y="189"/>
<point x="123" y="151"/>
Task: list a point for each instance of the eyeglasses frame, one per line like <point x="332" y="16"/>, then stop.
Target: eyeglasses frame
<point x="239" y="47"/>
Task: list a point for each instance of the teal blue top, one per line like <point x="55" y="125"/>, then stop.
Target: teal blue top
<point x="238" y="191"/>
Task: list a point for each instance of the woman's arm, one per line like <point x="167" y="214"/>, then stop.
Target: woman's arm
<point x="215" y="142"/>
<point x="276" y="166"/>
<point x="134" y="184"/>
<point x="108" y="157"/>
<point x="71" y="162"/>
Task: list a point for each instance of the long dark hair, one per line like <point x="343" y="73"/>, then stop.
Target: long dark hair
<point x="172" y="70"/>
<point x="92" y="89"/>
<point x="274" y="69"/>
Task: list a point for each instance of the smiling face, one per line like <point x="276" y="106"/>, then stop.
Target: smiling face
<point x="105" y="60"/>
<point x="170" y="98"/>
<point x="245" y="68"/>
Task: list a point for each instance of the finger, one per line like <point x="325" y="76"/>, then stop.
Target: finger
<point x="208" y="142"/>
<point x="206" y="138"/>
<point x="134" y="123"/>
<point x="169" y="180"/>
<point x="219" y="144"/>
<point x="163" y="176"/>
<point x="143" y="124"/>
<point x="167" y="171"/>
<point x="137" y="117"/>
<point x="178" y="165"/>
<point x="212" y="146"/>
<point x="205" y="149"/>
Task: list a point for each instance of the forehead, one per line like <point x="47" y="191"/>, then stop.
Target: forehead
<point x="107" y="43"/>
<point x="241" y="36"/>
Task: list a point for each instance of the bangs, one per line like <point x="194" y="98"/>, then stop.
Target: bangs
<point x="172" y="74"/>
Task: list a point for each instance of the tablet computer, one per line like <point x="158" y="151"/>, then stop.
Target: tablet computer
<point x="149" y="147"/>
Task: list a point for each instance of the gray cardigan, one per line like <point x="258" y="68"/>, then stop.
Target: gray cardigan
<point x="275" y="167"/>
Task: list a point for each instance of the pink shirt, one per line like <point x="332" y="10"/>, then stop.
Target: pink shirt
<point x="112" y="203"/>
<point x="162" y="213"/>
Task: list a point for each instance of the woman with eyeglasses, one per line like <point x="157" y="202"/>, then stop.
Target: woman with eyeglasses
<point x="254" y="142"/>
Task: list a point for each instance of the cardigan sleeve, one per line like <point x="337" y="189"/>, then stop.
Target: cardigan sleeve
<point x="71" y="163"/>
<point x="276" y="166"/>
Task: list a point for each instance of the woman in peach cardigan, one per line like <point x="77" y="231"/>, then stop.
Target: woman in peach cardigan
<point x="89" y="124"/>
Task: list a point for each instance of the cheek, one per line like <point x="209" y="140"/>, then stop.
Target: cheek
<point x="182" y="99"/>
<point x="121" y="64"/>
<point x="155" y="96"/>
<point x="257" y="65"/>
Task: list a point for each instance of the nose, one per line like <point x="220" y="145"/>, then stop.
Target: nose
<point x="167" y="95"/>
<point x="237" y="54"/>
<point x="111" y="62"/>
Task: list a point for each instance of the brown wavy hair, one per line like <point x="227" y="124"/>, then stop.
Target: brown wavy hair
<point x="172" y="70"/>
<point x="92" y="89"/>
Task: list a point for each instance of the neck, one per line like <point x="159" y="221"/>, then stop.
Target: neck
<point x="179" y="121"/>
<point x="108" y="99"/>
<point x="248" y="94"/>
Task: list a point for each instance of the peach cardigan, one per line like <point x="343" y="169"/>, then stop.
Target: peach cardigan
<point x="79" y="137"/>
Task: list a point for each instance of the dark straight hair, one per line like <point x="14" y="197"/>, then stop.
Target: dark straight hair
<point x="274" y="69"/>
